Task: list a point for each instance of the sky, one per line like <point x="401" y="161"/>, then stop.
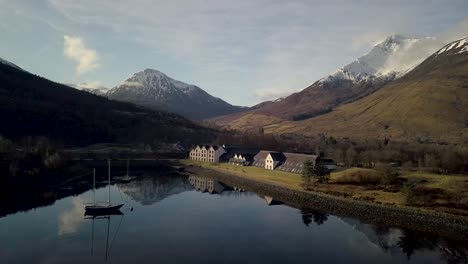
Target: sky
<point x="244" y="51"/>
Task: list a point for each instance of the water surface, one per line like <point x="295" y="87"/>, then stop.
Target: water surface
<point x="174" y="219"/>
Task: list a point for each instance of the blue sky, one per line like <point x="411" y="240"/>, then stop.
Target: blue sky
<point x="244" y="51"/>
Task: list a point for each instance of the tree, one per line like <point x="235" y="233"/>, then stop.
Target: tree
<point x="5" y="144"/>
<point x="451" y="161"/>
<point x="318" y="172"/>
<point x="387" y="172"/>
<point x="351" y="156"/>
<point x="306" y="217"/>
<point x="308" y="171"/>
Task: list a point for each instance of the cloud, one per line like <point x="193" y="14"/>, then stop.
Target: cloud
<point x="262" y="95"/>
<point x="75" y="49"/>
<point x="235" y="48"/>
<point x="368" y="39"/>
<point x="69" y="221"/>
<point x="457" y="32"/>
<point x="129" y="83"/>
<point x="91" y="85"/>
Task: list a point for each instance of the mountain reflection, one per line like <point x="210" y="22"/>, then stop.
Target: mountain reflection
<point x="396" y="242"/>
<point x="149" y="190"/>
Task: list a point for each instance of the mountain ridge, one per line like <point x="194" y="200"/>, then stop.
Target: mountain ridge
<point x="34" y="106"/>
<point x="428" y="104"/>
<point x="384" y="63"/>
<point x="154" y="89"/>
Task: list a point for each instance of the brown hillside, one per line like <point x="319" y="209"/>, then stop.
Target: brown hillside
<point x="429" y="103"/>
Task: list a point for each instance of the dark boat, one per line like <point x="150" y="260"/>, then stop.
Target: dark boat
<point x="102" y="209"/>
<point x="95" y="210"/>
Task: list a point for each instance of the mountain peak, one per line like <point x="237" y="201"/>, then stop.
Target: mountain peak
<point x="151" y="71"/>
<point x="154" y="89"/>
<point x="455" y="47"/>
<point x="395" y="38"/>
<point x="393" y="56"/>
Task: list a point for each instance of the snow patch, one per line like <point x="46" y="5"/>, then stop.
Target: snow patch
<point x="132" y="84"/>
<point x="461" y="44"/>
<point x="396" y="55"/>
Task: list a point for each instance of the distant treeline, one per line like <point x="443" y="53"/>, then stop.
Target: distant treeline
<point x="304" y="116"/>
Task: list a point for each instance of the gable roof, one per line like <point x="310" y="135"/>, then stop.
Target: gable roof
<point x="298" y="157"/>
<point x="276" y="156"/>
<point x="216" y="147"/>
<point x="294" y="162"/>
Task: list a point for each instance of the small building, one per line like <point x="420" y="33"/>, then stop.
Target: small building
<point x="272" y="160"/>
<point x="232" y="151"/>
<point x="259" y="159"/>
<point x="242" y="159"/>
<point x="207" y="153"/>
<point x="266" y="159"/>
<point x="294" y="162"/>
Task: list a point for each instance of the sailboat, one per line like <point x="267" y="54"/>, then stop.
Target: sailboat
<point x="102" y="209"/>
<point x="126" y="178"/>
<point x="108" y="217"/>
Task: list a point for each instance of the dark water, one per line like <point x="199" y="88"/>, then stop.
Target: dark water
<point x="180" y="220"/>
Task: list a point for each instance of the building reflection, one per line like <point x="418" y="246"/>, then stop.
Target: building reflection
<point x="206" y="184"/>
<point x="211" y="186"/>
<point x="272" y="201"/>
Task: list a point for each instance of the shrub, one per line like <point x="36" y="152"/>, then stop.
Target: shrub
<point x="318" y="172"/>
<point x="359" y="178"/>
<point x="408" y="165"/>
<point x="387" y="172"/>
<point x="53" y="161"/>
<point x="426" y="196"/>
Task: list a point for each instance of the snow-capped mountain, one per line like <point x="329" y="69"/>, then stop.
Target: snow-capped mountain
<point x="154" y="89"/>
<point x="390" y="59"/>
<point x="393" y="56"/>
<point x="457" y="47"/>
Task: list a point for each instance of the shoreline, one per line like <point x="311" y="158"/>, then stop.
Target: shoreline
<point x="437" y="223"/>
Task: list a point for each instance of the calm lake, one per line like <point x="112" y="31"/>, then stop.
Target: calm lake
<point x="180" y="219"/>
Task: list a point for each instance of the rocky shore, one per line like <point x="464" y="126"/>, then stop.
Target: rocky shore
<point x="441" y="224"/>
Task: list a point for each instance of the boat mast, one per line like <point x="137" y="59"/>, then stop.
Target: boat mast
<point x="107" y="241"/>
<point x="94" y="187"/>
<point x="127" y="167"/>
<point x="92" y="238"/>
<point x="108" y="176"/>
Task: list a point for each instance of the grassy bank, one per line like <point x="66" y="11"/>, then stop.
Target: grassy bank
<point x="444" y="193"/>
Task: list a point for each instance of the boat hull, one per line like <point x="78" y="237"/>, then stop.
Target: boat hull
<point x="102" y="210"/>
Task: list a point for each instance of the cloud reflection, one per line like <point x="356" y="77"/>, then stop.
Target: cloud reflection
<point x="70" y="220"/>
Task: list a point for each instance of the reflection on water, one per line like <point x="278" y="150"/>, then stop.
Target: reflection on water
<point x="149" y="190"/>
<point x="179" y="219"/>
<point x="69" y="221"/>
<point x="317" y="217"/>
